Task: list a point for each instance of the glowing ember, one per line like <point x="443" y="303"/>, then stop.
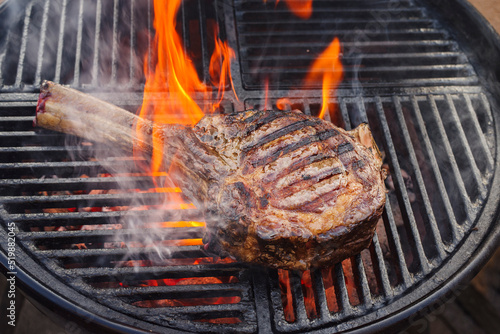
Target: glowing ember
<point x="308" y="292"/>
<point x="286" y="295"/>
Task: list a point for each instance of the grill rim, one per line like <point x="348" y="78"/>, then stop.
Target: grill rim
<point x="490" y="212"/>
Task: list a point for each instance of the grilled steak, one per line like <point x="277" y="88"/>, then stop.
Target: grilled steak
<point x="281" y="189"/>
<point x="296" y="191"/>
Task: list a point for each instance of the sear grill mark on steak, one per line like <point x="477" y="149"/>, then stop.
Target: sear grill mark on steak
<point x="307" y="176"/>
<point x="283" y="131"/>
<point x="344" y="148"/>
<point x="281" y="189"/>
<point x="297" y="159"/>
<point x="260" y="122"/>
<point x="317" y="190"/>
<point x="290" y="147"/>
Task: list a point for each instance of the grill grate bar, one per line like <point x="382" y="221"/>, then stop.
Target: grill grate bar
<point x="465" y="144"/>
<point x="43" y="35"/>
<point x="449" y="152"/>
<point x="84" y="200"/>
<point x="427" y="32"/>
<point x="278" y="14"/>
<point x="202" y="270"/>
<point x="45" y="149"/>
<point x="110" y="234"/>
<point x="95" y="65"/>
<point x="5" y="119"/>
<point x="420" y="36"/>
<point x="346" y="23"/>
<point x="114" y="50"/>
<point x="60" y="43"/>
<point x="486" y="105"/>
<point x="202" y="17"/>
<point x="364" y="46"/>
<point x="434" y="56"/>
<point x="382" y="269"/>
<point x="298" y="298"/>
<point x="78" y="55"/>
<point x="24" y="41"/>
<point x="28" y="137"/>
<point x="193" y="312"/>
<point x="362" y="281"/>
<point x="78" y="183"/>
<point x="53" y="164"/>
<point x="320" y="295"/>
<point x="345" y="114"/>
<point x="260" y="280"/>
<point x="43" y="218"/>
<point x="419" y="178"/>
<point x="456" y="233"/>
<point x="395" y="241"/>
<point x="61" y="169"/>
<point x="3" y="54"/>
<point x="27" y="187"/>
<point x="400" y="187"/>
<point x="360" y="116"/>
<point x="341" y="290"/>
<point x="187" y="251"/>
<point x="443" y="68"/>
<point x="479" y="132"/>
<point x="133" y="44"/>
<point x="145" y="291"/>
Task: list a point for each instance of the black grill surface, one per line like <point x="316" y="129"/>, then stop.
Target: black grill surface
<point x="415" y="78"/>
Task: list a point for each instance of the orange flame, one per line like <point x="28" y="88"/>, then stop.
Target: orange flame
<point x="220" y="69"/>
<point x="283" y="103"/>
<point x="300" y="8"/>
<point x="328" y="68"/>
<point x="171" y="83"/>
<point x="172" y="80"/>
<point x="168" y="87"/>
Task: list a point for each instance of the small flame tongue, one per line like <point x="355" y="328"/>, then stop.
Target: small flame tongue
<point x="327" y="68"/>
<point x="301" y="8"/>
<point x="220" y="69"/>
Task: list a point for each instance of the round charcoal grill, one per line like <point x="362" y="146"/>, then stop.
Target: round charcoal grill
<point x="424" y="79"/>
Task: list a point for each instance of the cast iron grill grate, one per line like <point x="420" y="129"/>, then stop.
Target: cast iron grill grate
<point x="73" y="217"/>
<point x="385" y="43"/>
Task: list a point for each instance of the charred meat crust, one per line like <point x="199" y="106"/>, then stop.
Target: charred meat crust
<point x="298" y="193"/>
